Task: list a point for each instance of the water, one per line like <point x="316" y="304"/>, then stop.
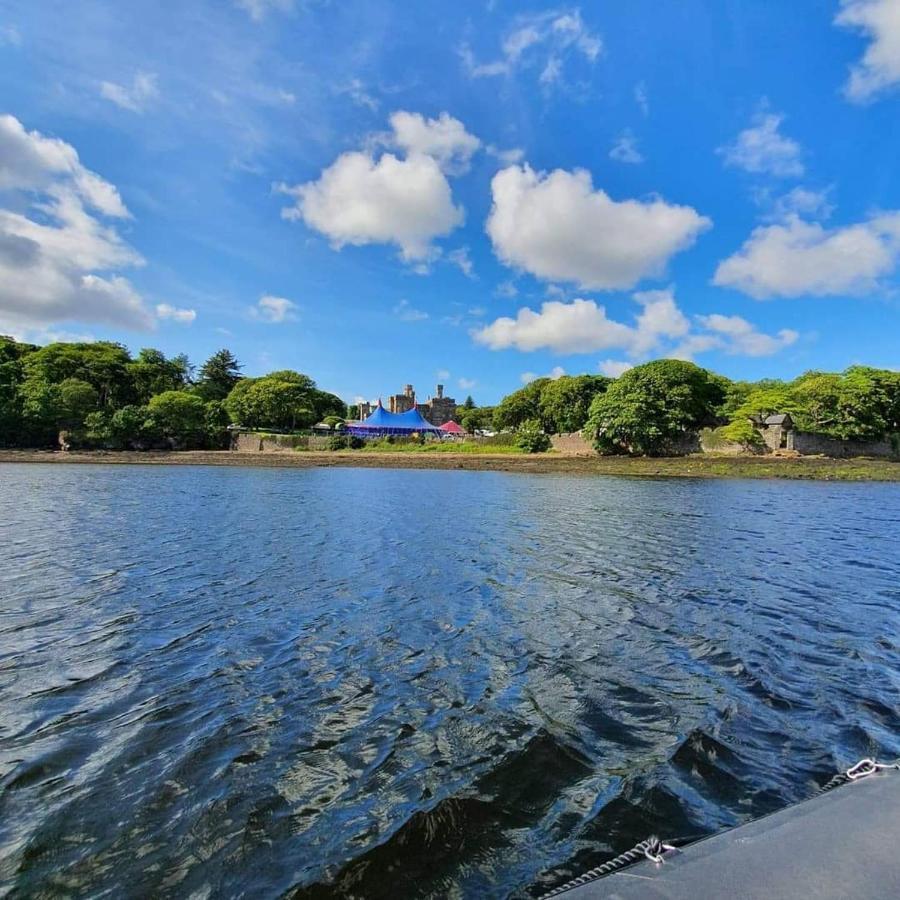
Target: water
<point x="383" y="684"/>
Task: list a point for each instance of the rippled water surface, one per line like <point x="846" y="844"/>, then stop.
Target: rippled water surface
<point x="362" y="683"/>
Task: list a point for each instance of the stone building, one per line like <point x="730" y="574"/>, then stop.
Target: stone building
<point x="437" y="410"/>
<point x="777" y="431"/>
<point x="401" y="403"/>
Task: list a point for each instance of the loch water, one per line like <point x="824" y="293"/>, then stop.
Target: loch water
<point x="239" y="682"/>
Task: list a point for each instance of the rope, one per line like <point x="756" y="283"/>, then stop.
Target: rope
<point x="653" y="848"/>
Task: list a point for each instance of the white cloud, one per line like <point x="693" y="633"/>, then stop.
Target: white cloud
<point x="743" y="339"/>
<point x="357" y="92"/>
<point x="360" y="199"/>
<point x="143" y="89"/>
<point x="442" y="374"/>
<point x="274" y="310"/>
<point x="554" y="374"/>
<point x="625" y="149"/>
<point x="506" y="289"/>
<point x="58" y="258"/>
<point x="444" y="139"/>
<point x="762" y="149"/>
<point x="613" y="368"/>
<point x="577" y="327"/>
<point x="803" y="202"/>
<point x="641" y="98"/>
<point x="259" y="9"/>
<point x="460" y="258"/>
<point x="542" y="41"/>
<point x="798" y="258"/>
<point x="467" y="383"/>
<point x="407" y="313"/>
<point x="506" y="157"/>
<point x="556" y="226"/>
<point x="879" y="68"/>
<point x="582" y="326"/>
<point x="183" y="316"/>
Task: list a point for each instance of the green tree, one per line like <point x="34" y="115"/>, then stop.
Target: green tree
<point x="649" y="409"/>
<point x="565" y="402"/>
<point x="469" y="403"/>
<point x="521" y="406"/>
<point x="531" y="438"/>
<point x="218" y="376"/>
<point x="284" y="400"/>
<point x="180" y="418"/>
<point x="101" y="364"/>
<point x="152" y="373"/>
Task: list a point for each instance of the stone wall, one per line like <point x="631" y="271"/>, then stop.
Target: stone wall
<point x="819" y="444"/>
<point x="256" y="442"/>
<point x="572" y="444"/>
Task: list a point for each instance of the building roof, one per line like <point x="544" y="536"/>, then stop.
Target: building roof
<point x="779" y="419"/>
<point x="452" y="428"/>
<point x="383" y="422"/>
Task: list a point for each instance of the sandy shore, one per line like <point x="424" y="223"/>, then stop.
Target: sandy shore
<point x="691" y="466"/>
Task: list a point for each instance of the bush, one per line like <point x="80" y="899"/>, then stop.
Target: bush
<point x="338" y="442"/>
<point x="531" y="438"/>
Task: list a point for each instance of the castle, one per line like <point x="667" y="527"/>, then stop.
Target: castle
<point x="438" y="409"/>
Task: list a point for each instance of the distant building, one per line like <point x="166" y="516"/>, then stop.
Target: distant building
<point x="365" y="410"/>
<point x="777" y="431"/>
<point x="401" y="403"/>
<point x="437" y="410"/>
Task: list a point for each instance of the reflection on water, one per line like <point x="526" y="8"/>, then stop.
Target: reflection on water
<point x="362" y="683"/>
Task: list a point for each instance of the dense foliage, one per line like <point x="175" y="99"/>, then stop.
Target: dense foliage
<point x="654" y="408"/>
<point x="650" y="409"/>
<point x="97" y="395"/>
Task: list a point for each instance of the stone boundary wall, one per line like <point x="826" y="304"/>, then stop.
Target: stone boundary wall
<point x="572" y="444"/>
<point x="255" y="442"/>
<point x="810" y="444"/>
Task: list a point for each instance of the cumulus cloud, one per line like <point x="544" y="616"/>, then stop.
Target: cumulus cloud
<point x="467" y="383"/>
<point x="444" y="139"/>
<point x="613" y="368"/>
<point x="741" y="338"/>
<point x="273" y="310"/>
<point x="804" y="202"/>
<point x="259" y="9"/>
<point x="133" y="97"/>
<point x="798" y="258"/>
<point x="543" y="42"/>
<point x="60" y="252"/>
<point x="554" y="374"/>
<point x="363" y="198"/>
<point x="183" y="316"/>
<point x="879" y="68"/>
<point x="625" y="149"/>
<point x="506" y="157"/>
<point x="556" y="226"/>
<point x="506" y="289"/>
<point x="583" y="326"/>
<point x="762" y="149"/>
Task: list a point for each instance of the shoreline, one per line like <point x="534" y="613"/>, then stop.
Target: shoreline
<point x="803" y="468"/>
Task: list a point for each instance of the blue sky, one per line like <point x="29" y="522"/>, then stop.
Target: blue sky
<point x="479" y="192"/>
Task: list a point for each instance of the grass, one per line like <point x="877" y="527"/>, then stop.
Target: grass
<point x="467" y="447"/>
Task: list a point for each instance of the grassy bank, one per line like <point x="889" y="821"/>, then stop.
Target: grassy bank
<point x="686" y="467"/>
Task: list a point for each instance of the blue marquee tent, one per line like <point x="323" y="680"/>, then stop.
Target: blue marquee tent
<point x="381" y="423"/>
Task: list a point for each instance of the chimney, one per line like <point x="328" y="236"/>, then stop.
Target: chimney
<point x="440" y="391"/>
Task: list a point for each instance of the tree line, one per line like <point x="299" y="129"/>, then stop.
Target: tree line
<point x="98" y="396"/>
<point x="102" y="397"/>
<point x="651" y="408"/>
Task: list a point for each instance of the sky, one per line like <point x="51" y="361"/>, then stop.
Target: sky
<point x="477" y="193"/>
